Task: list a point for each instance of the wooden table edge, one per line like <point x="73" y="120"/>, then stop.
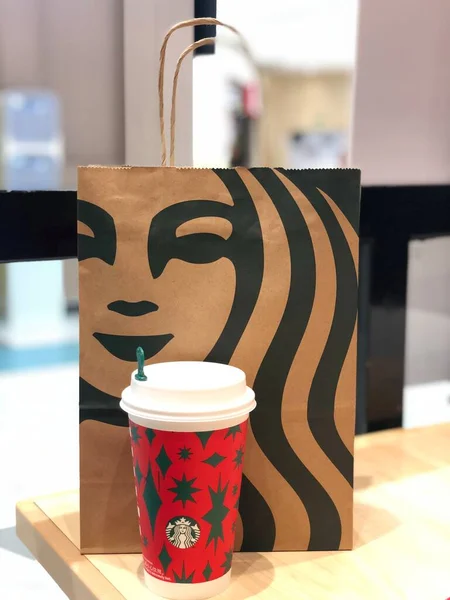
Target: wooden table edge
<point x="73" y="572"/>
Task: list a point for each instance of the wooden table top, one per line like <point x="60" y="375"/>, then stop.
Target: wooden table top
<point x="401" y="536"/>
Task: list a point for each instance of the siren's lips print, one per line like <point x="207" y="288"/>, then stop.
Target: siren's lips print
<point x="133" y="309"/>
<point x="124" y="346"/>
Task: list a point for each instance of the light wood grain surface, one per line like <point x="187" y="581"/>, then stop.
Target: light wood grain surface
<point x="401" y="536"/>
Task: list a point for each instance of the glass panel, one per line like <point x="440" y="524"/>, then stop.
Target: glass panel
<point x="426" y="398"/>
<point x="292" y="107"/>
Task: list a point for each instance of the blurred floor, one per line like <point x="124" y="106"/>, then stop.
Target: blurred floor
<point x="39" y="450"/>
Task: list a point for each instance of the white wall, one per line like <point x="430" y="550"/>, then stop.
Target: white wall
<point x="145" y="24"/>
<point x="296" y="34"/>
<point x="401" y="130"/>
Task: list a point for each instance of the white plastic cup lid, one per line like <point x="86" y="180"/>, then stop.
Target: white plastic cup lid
<point x="184" y="391"/>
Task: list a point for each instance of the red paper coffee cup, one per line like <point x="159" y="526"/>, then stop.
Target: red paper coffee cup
<point x="188" y="425"/>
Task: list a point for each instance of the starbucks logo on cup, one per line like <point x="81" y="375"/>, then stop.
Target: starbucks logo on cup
<point x="182" y="532"/>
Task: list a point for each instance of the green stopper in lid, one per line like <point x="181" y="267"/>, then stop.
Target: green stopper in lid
<point x="140" y="375"/>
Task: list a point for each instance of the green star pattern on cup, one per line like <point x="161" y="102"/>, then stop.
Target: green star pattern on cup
<point x="184" y="490"/>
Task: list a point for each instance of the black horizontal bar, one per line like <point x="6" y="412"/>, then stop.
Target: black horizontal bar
<point x="42" y="225"/>
<point x="413" y="212"/>
<point x="38" y="225"/>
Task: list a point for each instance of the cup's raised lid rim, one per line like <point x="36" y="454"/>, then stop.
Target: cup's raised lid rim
<point x="187" y="391"/>
<point x="223" y="411"/>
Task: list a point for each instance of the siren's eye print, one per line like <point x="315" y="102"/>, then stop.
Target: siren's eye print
<point x="96" y="233"/>
<point x="196" y="232"/>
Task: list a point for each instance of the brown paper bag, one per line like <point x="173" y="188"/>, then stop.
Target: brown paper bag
<point x="252" y="267"/>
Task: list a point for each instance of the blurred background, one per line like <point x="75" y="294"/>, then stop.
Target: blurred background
<point x="332" y="83"/>
<point x="61" y="82"/>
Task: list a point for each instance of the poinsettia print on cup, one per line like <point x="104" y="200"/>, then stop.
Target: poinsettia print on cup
<point x="187" y="489"/>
